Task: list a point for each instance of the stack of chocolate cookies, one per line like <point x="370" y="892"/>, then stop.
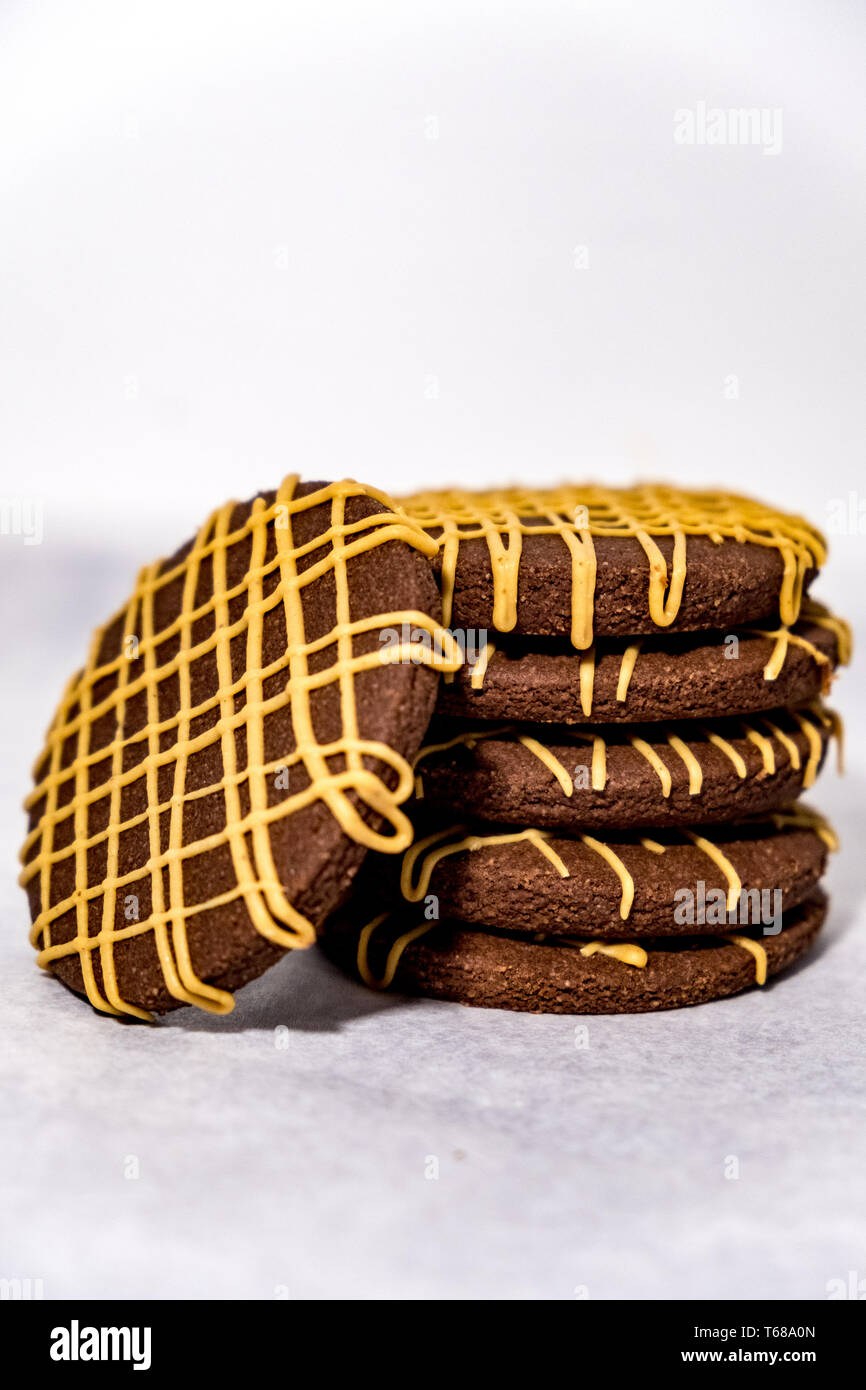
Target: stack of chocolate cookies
<point x="626" y="700"/>
<point x="606" y="803"/>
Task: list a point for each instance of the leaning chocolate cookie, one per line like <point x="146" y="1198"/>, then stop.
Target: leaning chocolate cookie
<point x="622" y="776"/>
<point x="486" y="969"/>
<point x="240" y="736"/>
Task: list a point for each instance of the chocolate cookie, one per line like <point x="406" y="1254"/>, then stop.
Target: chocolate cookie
<point x="668" y="882"/>
<point x="237" y="740"/>
<point x="689" y="676"/>
<point x="580" y="562"/>
<point x="496" y="970"/>
<point x="622" y="777"/>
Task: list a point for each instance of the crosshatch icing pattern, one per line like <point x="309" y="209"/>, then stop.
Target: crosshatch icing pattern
<point x="172" y="709"/>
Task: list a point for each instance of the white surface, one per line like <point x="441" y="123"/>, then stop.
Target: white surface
<point x="233" y="251"/>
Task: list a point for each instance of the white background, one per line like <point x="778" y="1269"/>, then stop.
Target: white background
<point x="238" y="241"/>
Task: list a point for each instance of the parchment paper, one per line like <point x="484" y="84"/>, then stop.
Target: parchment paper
<point x="326" y="1141"/>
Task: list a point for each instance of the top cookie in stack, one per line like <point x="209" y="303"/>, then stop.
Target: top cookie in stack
<point x="641" y="664"/>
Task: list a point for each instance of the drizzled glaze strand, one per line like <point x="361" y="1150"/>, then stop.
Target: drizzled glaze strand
<point x="803" y="817"/>
<point x="414" y="892"/>
<point x="394" y="954"/>
<point x="479" y="670"/>
<point x="755" y="948"/>
<point x="831" y="721"/>
<point x="819" y="615"/>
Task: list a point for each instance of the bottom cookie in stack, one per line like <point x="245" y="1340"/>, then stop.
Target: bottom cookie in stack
<point x="529" y="921"/>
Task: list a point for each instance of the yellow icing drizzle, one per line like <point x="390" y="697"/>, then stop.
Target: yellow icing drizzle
<point x="414" y="892"/>
<point x="587" y="680"/>
<point x="394" y="953"/>
<point x="599" y="764"/>
<point x="787" y="743"/>
<point x="784" y="638"/>
<point x="479" y="671"/>
<point x="626" y="951"/>
<point x="696" y="776"/>
<point x="821" y="616"/>
<point x="622" y="873"/>
<point x="722" y="862"/>
<point x="729" y="751"/>
<point x="653" y="846"/>
<point x="803" y="817"/>
<point x="626" y="670"/>
<point x="655" y="762"/>
<point x="830" y="720"/>
<point x="170" y="741"/>
<point x="754" y="948"/>
<point x="764" y="747"/>
<point x="468" y="739"/>
<point x="551" y="762"/>
<point x="813" y="738"/>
